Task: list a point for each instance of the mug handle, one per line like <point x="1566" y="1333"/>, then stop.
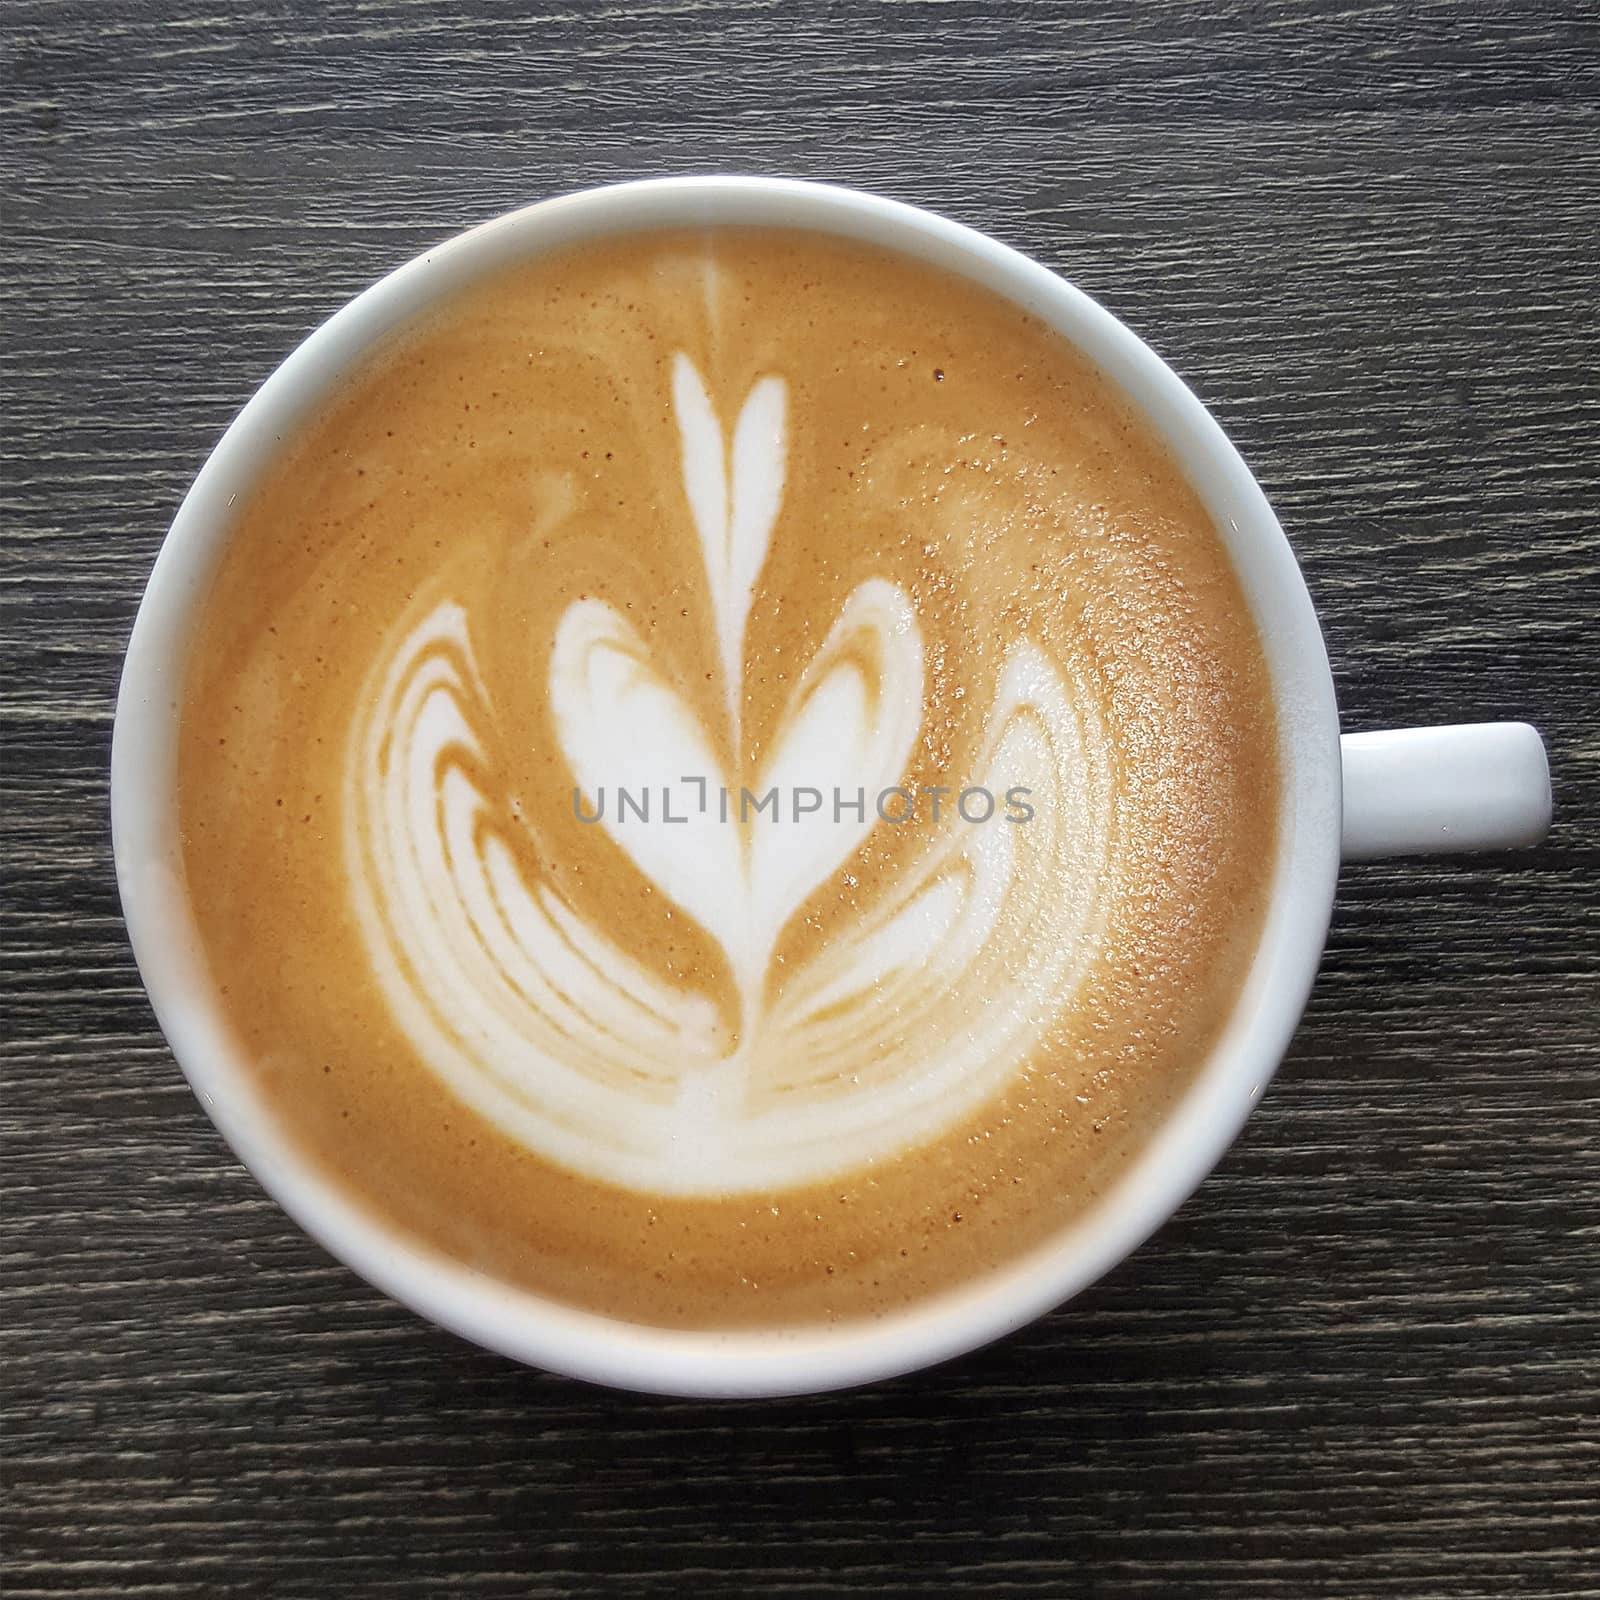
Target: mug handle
<point x="1436" y="791"/>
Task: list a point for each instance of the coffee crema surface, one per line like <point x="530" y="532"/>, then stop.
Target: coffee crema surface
<point x="727" y="779"/>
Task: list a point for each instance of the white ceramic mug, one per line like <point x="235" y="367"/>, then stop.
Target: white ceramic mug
<point x="1415" y="789"/>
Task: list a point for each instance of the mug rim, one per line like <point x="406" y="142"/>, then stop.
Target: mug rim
<point x="545" y="1333"/>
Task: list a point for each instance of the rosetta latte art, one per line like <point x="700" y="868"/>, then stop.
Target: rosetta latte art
<point x="882" y="1040"/>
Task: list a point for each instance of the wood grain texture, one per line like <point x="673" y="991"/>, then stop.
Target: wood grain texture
<point x="1363" y="1360"/>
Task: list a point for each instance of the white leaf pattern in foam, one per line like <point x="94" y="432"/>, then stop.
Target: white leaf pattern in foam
<point x="887" y="1036"/>
<point x="569" y="1044"/>
<point x="851" y="725"/>
<point x="917" y="1018"/>
<point x="733" y="513"/>
<point x="852" y="721"/>
<point x="623" y="726"/>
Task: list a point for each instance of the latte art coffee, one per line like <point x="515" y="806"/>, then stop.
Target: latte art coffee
<point x="727" y="779"/>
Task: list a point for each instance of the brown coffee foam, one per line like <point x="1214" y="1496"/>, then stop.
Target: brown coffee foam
<point x="515" y="450"/>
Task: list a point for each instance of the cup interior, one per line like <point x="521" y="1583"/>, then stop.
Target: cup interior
<point x="557" y="1337"/>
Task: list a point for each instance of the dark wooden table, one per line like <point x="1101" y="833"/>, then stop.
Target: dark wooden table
<point x="1363" y="1360"/>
